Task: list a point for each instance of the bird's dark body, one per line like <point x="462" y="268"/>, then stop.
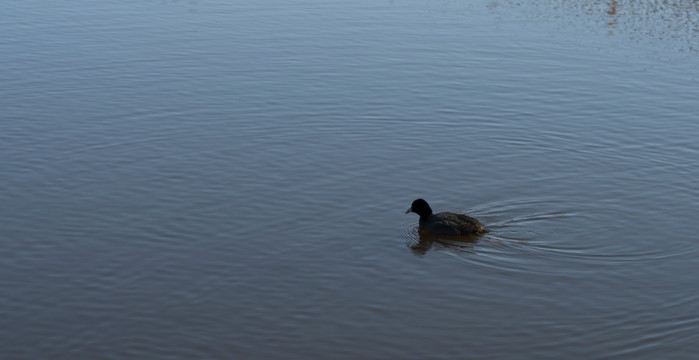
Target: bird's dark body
<point x="452" y="224"/>
<point x="445" y="223"/>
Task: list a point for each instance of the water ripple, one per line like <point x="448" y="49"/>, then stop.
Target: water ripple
<point x="547" y="236"/>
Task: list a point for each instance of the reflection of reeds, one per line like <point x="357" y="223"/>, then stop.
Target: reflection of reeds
<point x="659" y="19"/>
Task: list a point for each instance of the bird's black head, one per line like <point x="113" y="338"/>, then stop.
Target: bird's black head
<point x="421" y="208"/>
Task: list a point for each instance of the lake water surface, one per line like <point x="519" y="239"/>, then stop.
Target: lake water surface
<point x="229" y="179"/>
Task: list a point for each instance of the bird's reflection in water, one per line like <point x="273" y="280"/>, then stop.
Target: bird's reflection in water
<point x="426" y="240"/>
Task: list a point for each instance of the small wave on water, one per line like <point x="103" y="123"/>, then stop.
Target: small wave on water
<point x="547" y="235"/>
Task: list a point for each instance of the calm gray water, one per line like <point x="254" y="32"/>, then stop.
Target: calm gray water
<point x="228" y="179"/>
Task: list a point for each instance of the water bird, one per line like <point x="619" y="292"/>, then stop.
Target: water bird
<point x="445" y="223"/>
